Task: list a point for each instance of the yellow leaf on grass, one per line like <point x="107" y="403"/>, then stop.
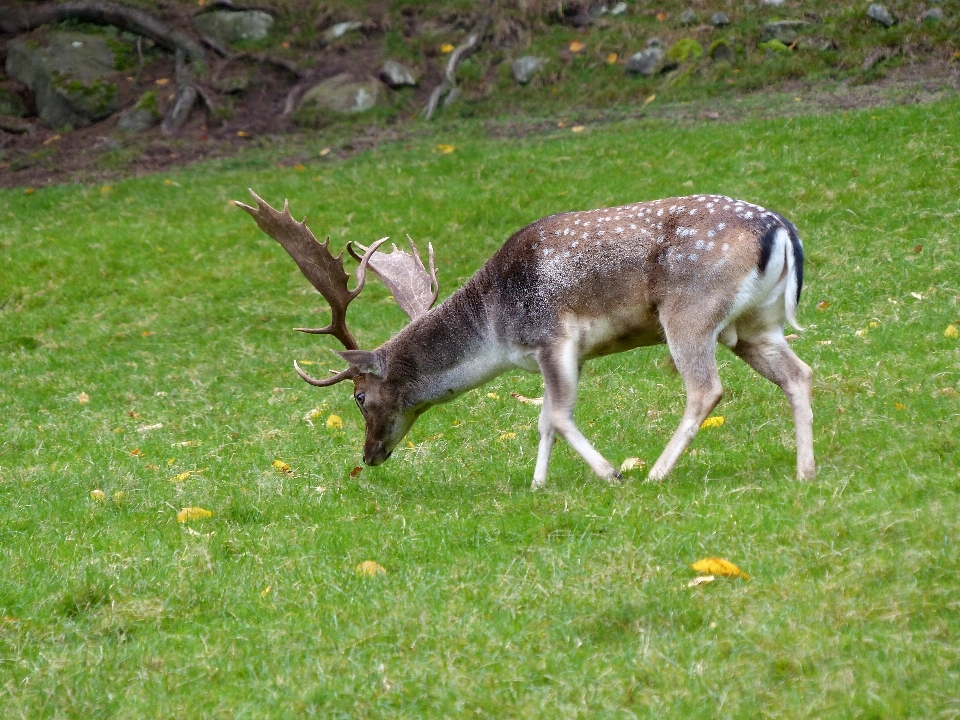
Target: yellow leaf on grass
<point x="649" y="99"/>
<point x="493" y="396"/>
<point x="281" y="466"/>
<point x="193" y="513"/>
<point x="98" y="495"/>
<point x="446" y="149"/>
<point x="119" y="496"/>
<point x="184" y="475"/>
<point x="325" y="151"/>
<point x="899" y="406"/>
<point x="611" y="58"/>
<point x="719" y="566"/>
<point x="576" y="46"/>
<point x="578" y="128"/>
<point x="632" y="463"/>
<point x="951" y="332"/>
<point x="507" y="436"/>
<point x="712" y="422"/>
<point x="335" y="422"/>
<point x="370" y="567"/>
<point x="83" y="398"/>
<point x="447" y="48"/>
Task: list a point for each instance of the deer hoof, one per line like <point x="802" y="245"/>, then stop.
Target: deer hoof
<point x="537" y="485"/>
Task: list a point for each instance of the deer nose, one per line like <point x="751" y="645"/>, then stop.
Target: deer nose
<point x="376" y="456"/>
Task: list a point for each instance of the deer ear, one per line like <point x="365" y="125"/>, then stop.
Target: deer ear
<point x="365" y="361"/>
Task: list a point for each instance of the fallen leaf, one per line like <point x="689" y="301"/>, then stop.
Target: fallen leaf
<point x="299" y="168"/>
<point x="325" y="151"/>
<point x="83" y="398"/>
<point x="712" y="422"/>
<point x="445" y="149"/>
<point x="281" y="466"/>
<point x="791" y="337"/>
<point x="493" y="396"/>
<point x="718" y="566"/>
<point x="823" y="305"/>
<point x="356" y="471"/>
<point x="507" y="436"/>
<point x="701" y="579"/>
<point x="951" y="333"/>
<point x="578" y="128"/>
<point x="576" y="46"/>
<point x="611" y="58"/>
<point x="193" y="513"/>
<point x="447" y="48"/>
<point x="917" y="249"/>
<point x="916" y="295"/>
<point x="899" y="406"/>
<point x="661" y="16"/>
<point x="266" y="591"/>
<point x="241" y="133"/>
<point x="528" y="401"/>
<point x="184" y="475"/>
<point x="162" y="81"/>
<point x="106" y="190"/>
<point x="98" y="495"/>
<point x="51" y="139"/>
<point x="118" y="496"/>
<point x="649" y="99"/>
<point x="410" y="445"/>
<point x="950" y="392"/>
<point x="632" y="463"/>
<point x="148" y="428"/>
<point x="370" y="567"/>
<point x="335" y="422"/>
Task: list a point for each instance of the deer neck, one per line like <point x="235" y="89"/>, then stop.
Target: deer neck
<point x="445" y="353"/>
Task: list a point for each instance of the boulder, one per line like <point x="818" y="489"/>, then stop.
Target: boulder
<point x="719" y="19"/>
<point x="721" y="51"/>
<point x="525" y="68"/>
<point x="647" y="62"/>
<point x="142" y="116"/>
<point x="230" y="26"/>
<point x="619" y="9"/>
<point x="72" y="75"/>
<point x="339" y="30"/>
<point x="688" y="17"/>
<point x="342" y="94"/>
<point x="396" y="75"/>
<point x="11" y="104"/>
<point x="878" y="13"/>
<point x="934" y="14"/>
<point x="786" y="31"/>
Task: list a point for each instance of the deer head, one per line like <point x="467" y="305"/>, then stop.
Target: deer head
<point x="379" y="397"/>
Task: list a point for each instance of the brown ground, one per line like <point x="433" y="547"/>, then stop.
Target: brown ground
<point x="100" y="152"/>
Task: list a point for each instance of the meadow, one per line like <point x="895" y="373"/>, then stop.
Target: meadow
<point x="146" y="350"/>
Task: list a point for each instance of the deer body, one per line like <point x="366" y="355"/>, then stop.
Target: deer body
<point x="570" y="287"/>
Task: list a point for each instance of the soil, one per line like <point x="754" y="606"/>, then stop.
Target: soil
<point x="101" y="153"/>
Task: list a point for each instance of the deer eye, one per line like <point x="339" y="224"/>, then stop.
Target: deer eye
<point x="360" y="397"/>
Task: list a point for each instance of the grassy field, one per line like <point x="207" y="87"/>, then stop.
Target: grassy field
<point x="145" y="333"/>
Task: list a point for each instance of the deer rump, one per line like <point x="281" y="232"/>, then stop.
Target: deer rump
<point x="689" y="272"/>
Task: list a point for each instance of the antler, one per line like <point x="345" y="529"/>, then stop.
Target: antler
<point x="324" y="271"/>
<point x="414" y="290"/>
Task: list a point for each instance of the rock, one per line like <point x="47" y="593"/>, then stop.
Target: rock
<point x="721" y="51"/>
<point x="685" y="49"/>
<point x="786" y="31"/>
<point x="231" y="84"/>
<point x="72" y="75"/>
<point x="619" y="9"/>
<point x="339" y="30"/>
<point x="11" y="104"/>
<point x="688" y="17"/>
<point x="342" y="94"/>
<point x="647" y="62"/>
<point x="143" y="116"/>
<point x="719" y="19"/>
<point x="103" y="143"/>
<point x="525" y="68"/>
<point x="880" y="14"/>
<point x="773" y="3"/>
<point x="396" y="75"/>
<point x="934" y="14"/>
<point x="16" y="125"/>
<point x="230" y="26"/>
<point x="820" y="44"/>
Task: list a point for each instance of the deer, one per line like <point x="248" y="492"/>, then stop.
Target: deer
<point x="691" y="272"/>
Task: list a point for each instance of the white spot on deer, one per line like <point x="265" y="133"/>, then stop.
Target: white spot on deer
<point x="748" y="215"/>
<point x="567" y="254"/>
<point x="721" y="226"/>
<point x="632" y="226"/>
<point x="618" y="230"/>
<point x="710" y="233"/>
<point x="693" y="212"/>
<point x="710" y="245"/>
<point x="660" y="212"/>
<point x="547" y="251"/>
<point x="686" y="232"/>
<point x="693" y="256"/>
<point x="725" y="246"/>
<point x="699" y="245"/>
<point x="575" y="243"/>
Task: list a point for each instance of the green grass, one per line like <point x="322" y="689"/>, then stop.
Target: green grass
<point x="166" y="306"/>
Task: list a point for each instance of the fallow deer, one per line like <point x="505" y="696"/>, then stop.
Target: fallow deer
<point x="688" y="272"/>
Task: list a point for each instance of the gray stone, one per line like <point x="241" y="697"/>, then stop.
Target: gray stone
<point x="525" y="68"/>
<point x="647" y="62"/>
<point x="396" y="75"/>
<point x="137" y="120"/>
<point x="654" y="42"/>
<point x="11" y="105"/>
<point x="719" y="19"/>
<point x="880" y="14"/>
<point x="722" y="52"/>
<point x="103" y="143"/>
<point x="343" y="94"/>
<point x="688" y="17"/>
<point x="773" y="3"/>
<point x="619" y="9"/>
<point x="230" y="26"/>
<point x="786" y="31"/>
<point x="71" y="75"/>
<point x="934" y="14"/>
<point x="340" y="29"/>
<point x="231" y="84"/>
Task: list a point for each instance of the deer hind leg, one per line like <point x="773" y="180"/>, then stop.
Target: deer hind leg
<point x="695" y="358"/>
<point x="770" y="356"/>
<point x="561" y="375"/>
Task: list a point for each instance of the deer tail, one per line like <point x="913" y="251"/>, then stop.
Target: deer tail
<point x="794" y="253"/>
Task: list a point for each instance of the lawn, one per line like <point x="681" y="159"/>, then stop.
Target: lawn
<point x="146" y="352"/>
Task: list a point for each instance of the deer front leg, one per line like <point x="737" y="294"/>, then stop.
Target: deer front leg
<point x="561" y="375"/>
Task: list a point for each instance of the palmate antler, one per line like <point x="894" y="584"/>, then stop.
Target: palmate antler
<point x="403" y="274"/>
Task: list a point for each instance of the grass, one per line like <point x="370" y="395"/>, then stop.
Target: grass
<point x="164" y="307"/>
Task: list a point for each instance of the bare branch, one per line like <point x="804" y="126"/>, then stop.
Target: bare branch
<point x="459" y="54"/>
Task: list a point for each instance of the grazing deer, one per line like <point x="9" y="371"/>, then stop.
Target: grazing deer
<point x="687" y="271"/>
